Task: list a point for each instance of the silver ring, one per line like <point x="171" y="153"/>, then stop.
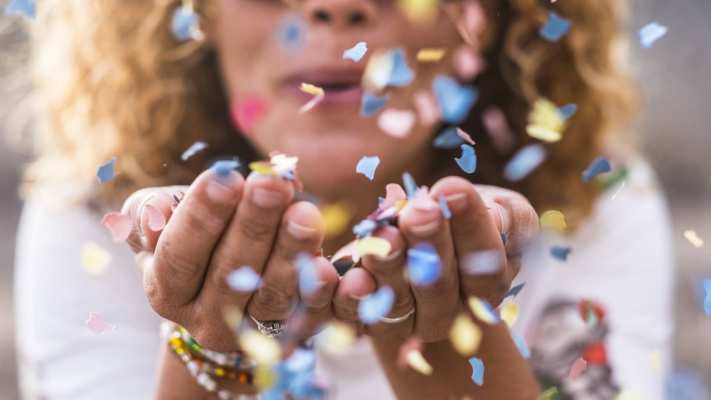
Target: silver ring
<point x="271" y="328"/>
<point x="401" y="318"/>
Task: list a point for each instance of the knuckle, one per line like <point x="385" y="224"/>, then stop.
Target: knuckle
<point x="256" y="229"/>
<point x="271" y="301"/>
<point x="172" y="262"/>
<point x="201" y="218"/>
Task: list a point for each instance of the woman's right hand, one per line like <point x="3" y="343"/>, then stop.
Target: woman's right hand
<point x="223" y="223"/>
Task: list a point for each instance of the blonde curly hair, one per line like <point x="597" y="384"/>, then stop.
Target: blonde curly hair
<point x="112" y="81"/>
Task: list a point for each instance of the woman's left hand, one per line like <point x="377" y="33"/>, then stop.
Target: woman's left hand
<point x="488" y="221"/>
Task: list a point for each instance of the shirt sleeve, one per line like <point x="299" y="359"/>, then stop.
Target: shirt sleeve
<point x="59" y="355"/>
<point x="599" y="323"/>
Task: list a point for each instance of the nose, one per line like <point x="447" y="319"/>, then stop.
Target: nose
<point x="340" y="13"/>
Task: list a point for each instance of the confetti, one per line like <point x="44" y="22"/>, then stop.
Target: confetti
<point x="515" y="290"/>
<point x="378" y="71"/>
<point x="424" y="266"/>
<point x="247" y="112"/>
<point x="650" y="33"/>
<point x="308" y="277"/>
<point x="193" y="149"/>
<point x="465" y="335"/>
<point x="318" y="93"/>
<point x="509" y="313"/>
<point x="377" y="305"/>
<point x="545" y="122"/>
<point x="455" y="100"/>
<point x="599" y="166"/>
<point x="467" y="162"/>
<point x="372" y="245"/>
<point x="448" y="139"/>
<point x="367" y="166"/>
<point x="485" y="262"/>
<point x="106" y="171"/>
<point x="154" y="217"/>
<point x="185" y="23"/>
<point x="482" y="310"/>
<point x="477" y="370"/>
<point x="467" y="63"/>
<point x="555" y="28"/>
<point x="693" y="238"/>
<point x="396" y="123"/>
<point x="335" y="218"/>
<point x="260" y="348"/>
<point x="401" y="74"/>
<point x="561" y="252"/>
<point x="521" y="345"/>
<point x="655" y="360"/>
<point x="97" y="325"/>
<point x="465" y="136"/>
<point x="21" y="7"/>
<point x="568" y="110"/>
<point x="419" y="10"/>
<point x="444" y="207"/>
<point x="577" y="368"/>
<point x="118" y="224"/>
<point x="244" y="279"/>
<point x="707" y="298"/>
<point x="417" y="361"/>
<point x="524" y="162"/>
<point x="371" y="104"/>
<point x="94" y="259"/>
<point x="223" y="168"/>
<point x="356" y="52"/>
<point x="553" y="220"/>
<point x="291" y="31"/>
<point x="430" y="55"/>
<point x="498" y="129"/>
<point x="364" y="227"/>
<point x="336" y="337"/>
<point x="427" y="109"/>
<point x="410" y="185"/>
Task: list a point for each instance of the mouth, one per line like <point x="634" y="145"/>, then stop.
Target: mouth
<point x="342" y="86"/>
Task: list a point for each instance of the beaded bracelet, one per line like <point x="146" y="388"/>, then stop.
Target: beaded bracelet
<point x="235" y="360"/>
<point x="204" y="372"/>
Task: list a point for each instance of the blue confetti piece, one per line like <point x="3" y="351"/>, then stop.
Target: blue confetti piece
<point x="521" y="345"/>
<point x="376" y="305"/>
<point x="356" y="52"/>
<point x="244" y="279"/>
<point x="524" y="162"/>
<point x="192" y="150"/>
<point x="599" y="166"/>
<point x="364" y="228"/>
<point x="515" y="290"/>
<point x="568" y="110"/>
<point x="401" y="74"/>
<point x="367" y="166"/>
<point x="650" y="33"/>
<point x="561" y="252"/>
<point x="106" y="172"/>
<point x="21" y="7"/>
<point x="477" y="370"/>
<point x="449" y="139"/>
<point x="444" y="207"/>
<point x="290" y="32"/>
<point x="423" y="264"/>
<point x="410" y="185"/>
<point x="308" y="278"/>
<point x="455" y="100"/>
<point x="184" y="23"/>
<point x="467" y="162"/>
<point x="555" y="28"/>
<point x="707" y="298"/>
<point x="222" y="168"/>
<point x="371" y="104"/>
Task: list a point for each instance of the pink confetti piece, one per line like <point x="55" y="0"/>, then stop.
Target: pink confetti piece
<point x="97" y="324"/>
<point x="396" y="123"/>
<point x="427" y="108"/>
<point x="247" y="112"/>
<point x="467" y="63"/>
<point x="118" y="224"/>
<point x="465" y="136"/>
<point x="498" y="129"/>
<point x="578" y="367"/>
<point x="316" y="100"/>
<point x="154" y="218"/>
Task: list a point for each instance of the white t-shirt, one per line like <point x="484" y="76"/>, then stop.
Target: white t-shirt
<point x="621" y="260"/>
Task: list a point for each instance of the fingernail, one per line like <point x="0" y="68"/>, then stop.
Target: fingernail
<point x="423" y="204"/>
<point x="267" y="198"/>
<point x="300" y="231"/>
<point x="138" y="221"/>
<point x="457" y="202"/>
<point x="356" y="297"/>
<point x="390" y="257"/>
<point x="153" y="218"/>
<point x="221" y="188"/>
<point x="425" y="230"/>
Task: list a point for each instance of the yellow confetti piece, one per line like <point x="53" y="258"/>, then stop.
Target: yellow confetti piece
<point x="465" y="335"/>
<point x="262" y="349"/>
<point x="264" y="377"/>
<point x="481" y="311"/>
<point x="553" y="220"/>
<point x="282" y="163"/>
<point x="336" y="217"/>
<point x="417" y="361"/>
<point x="372" y="245"/>
<point x="312" y="89"/>
<point x="655" y="360"/>
<point x="419" y="10"/>
<point x="232" y="315"/>
<point x="261" y="167"/>
<point x="509" y="313"/>
<point x="377" y="71"/>
<point x="693" y="238"/>
<point x="94" y="259"/>
<point x="430" y="55"/>
<point x="545" y="122"/>
<point x="336" y="338"/>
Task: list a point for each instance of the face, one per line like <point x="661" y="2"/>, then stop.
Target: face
<point x="261" y="69"/>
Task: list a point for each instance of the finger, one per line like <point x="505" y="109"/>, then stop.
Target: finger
<point x="301" y="231"/>
<point x="514" y="216"/>
<point x="248" y="239"/>
<point x="421" y="221"/>
<point x="390" y="271"/>
<point x="316" y="304"/>
<point x="185" y="245"/>
<point x="149" y="210"/>
<point x="353" y="286"/>
<point x="477" y="241"/>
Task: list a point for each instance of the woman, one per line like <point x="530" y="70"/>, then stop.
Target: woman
<point x="114" y="81"/>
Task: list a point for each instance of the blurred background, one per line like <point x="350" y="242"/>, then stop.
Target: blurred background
<point x="674" y="75"/>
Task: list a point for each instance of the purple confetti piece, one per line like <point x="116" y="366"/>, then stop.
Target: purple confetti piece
<point x="486" y="262"/>
<point x="423" y="264"/>
<point x="444" y="207"/>
<point x="650" y="33"/>
<point x="184" y="23"/>
<point x="308" y="278"/>
<point x="244" y="279"/>
<point x="376" y="305"/>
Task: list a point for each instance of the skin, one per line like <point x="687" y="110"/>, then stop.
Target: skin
<point x="227" y="222"/>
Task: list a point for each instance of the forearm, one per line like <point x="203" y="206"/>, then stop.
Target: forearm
<point x="507" y="375"/>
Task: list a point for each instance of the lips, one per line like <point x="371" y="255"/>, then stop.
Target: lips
<point x="342" y="85"/>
